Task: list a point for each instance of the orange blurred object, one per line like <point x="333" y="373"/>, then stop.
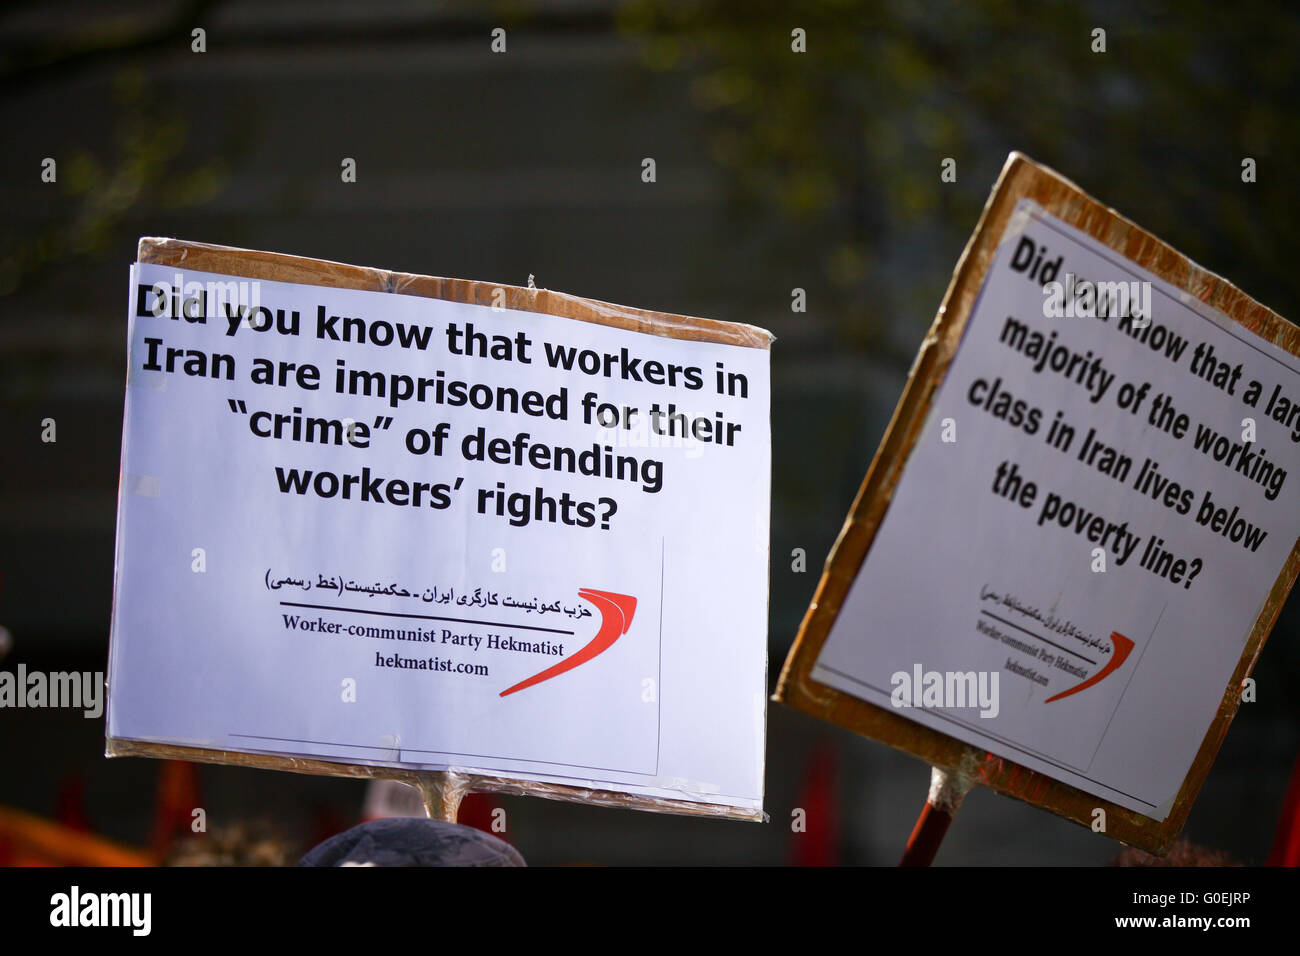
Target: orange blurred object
<point x="177" y="798"/>
<point x="27" y="840"/>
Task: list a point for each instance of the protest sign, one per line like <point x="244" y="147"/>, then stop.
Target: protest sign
<point x="1079" y="527"/>
<point x="378" y="524"/>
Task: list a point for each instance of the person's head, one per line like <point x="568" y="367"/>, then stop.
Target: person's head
<point x="413" y="841"/>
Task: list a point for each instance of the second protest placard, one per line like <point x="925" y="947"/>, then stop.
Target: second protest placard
<point x="400" y="530"/>
<point x="1081" y="524"/>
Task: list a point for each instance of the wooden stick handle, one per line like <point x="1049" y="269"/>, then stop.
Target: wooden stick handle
<point x="947" y="790"/>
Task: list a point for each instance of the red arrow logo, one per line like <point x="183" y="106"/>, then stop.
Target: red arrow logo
<point x="1122" y="647"/>
<point x="616" y="612"/>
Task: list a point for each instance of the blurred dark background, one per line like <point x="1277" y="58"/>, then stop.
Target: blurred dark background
<point x="776" y="171"/>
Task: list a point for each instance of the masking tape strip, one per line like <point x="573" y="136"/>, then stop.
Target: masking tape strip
<point x="949" y="786"/>
<point x="137" y="377"/>
<point x="146" y="486"/>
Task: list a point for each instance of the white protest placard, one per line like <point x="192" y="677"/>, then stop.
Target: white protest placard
<point x="1077" y="532"/>
<point x="408" y="532"/>
<point x="1094" y="514"/>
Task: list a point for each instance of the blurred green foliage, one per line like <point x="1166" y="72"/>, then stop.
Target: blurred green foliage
<point x="834" y="155"/>
<point x="99" y="184"/>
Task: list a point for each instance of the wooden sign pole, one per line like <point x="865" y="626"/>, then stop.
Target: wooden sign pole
<point x="948" y="788"/>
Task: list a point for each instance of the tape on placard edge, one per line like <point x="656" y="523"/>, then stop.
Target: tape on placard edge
<point x="142" y="378"/>
<point x="207" y="751"/>
<point x="1165" y="808"/>
<point x="693" y="787"/>
<point x="1018" y="221"/>
<point x="949" y="786"/>
<point x="749" y="336"/>
<point x="146" y="486"/>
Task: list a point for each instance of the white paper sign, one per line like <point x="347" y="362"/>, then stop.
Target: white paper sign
<point x="1087" y="528"/>
<point x="392" y="530"/>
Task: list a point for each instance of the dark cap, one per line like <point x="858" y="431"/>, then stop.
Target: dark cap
<point x="412" y="841"/>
